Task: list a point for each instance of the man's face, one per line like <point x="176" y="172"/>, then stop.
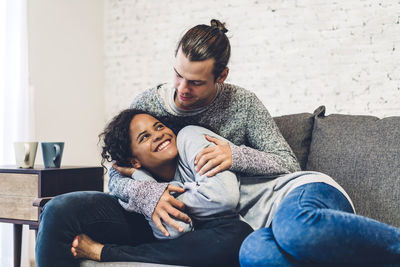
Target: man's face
<point x="194" y="82"/>
<point x="153" y="144"/>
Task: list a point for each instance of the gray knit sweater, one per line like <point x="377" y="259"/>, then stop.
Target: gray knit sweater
<point x="236" y="114"/>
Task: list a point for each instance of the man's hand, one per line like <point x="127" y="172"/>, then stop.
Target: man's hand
<point x="217" y="158"/>
<point x="169" y="206"/>
<point x="126" y="171"/>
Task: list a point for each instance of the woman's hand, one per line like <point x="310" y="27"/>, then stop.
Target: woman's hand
<point x="217" y="158"/>
<point x="126" y="171"/>
<point x="169" y="206"/>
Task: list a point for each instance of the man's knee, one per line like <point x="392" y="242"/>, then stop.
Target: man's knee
<point x="295" y="235"/>
<point x="260" y="249"/>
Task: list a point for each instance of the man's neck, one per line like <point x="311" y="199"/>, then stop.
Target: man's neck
<point x="198" y="105"/>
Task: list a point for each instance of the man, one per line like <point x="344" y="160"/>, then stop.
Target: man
<point x="301" y="213"/>
<point x="199" y="96"/>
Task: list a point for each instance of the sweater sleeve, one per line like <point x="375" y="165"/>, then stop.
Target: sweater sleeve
<point x="209" y="196"/>
<point x="266" y="151"/>
<point x="137" y="196"/>
<point x="204" y="196"/>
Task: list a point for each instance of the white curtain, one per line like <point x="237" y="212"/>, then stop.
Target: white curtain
<point x="15" y="103"/>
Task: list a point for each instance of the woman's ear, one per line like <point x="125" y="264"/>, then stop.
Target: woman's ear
<point x="135" y="163"/>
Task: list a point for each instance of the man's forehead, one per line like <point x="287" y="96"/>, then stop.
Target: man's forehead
<point x="193" y="70"/>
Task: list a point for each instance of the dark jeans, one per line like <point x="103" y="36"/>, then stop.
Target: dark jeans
<point x="128" y="237"/>
<point x="315" y="226"/>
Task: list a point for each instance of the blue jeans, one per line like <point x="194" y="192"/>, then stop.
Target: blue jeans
<point x="315" y="226"/>
<point x="127" y="236"/>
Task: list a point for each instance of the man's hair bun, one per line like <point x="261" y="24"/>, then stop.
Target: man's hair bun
<point x="218" y="24"/>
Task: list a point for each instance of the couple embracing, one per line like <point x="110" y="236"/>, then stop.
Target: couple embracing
<point x="203" y="177"/>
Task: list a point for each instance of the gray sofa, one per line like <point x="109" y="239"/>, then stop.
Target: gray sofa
<point x="362" y="153"/>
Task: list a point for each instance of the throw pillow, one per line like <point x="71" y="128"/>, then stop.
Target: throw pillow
<point x="362" y="153"/>
<point x="297" y="130"/>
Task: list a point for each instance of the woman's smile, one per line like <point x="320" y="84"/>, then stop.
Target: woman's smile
<point x="153" y="144"/>
<point x="163" y="145"/>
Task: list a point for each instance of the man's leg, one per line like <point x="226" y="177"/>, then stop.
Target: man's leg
<point x="214" y="243"/>
<point x="260" y="249"/>
<point x="315" y="224"/>
<point x="96" y="214"/>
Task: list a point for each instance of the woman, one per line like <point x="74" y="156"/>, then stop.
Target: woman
<point x="137" y="139"/>
<point x="152" y="149"/>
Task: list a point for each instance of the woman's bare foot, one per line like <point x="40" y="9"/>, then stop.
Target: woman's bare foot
<point x="84" y="247"/>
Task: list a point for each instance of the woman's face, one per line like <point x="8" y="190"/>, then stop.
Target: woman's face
<point x="153" y="144"/>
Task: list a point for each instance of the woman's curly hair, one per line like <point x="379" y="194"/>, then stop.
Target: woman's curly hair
<point x="117" y="140"/>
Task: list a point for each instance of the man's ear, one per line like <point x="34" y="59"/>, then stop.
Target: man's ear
<point x="222" y="77"/>
<point x="135" y="163"/>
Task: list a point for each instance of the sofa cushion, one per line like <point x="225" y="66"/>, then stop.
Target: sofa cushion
<point x="362" y="153"/>
<point x="90" y="263"/>
<point x="297" y="129"/>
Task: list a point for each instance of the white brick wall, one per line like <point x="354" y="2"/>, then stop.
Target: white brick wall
<point x="295" y="55"/>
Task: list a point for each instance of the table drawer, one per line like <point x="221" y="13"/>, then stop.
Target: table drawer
<point x="19" y="184"/>
<point x="19" y="208"/>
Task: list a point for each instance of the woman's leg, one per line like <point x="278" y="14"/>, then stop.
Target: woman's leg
<point x="96" y="214"/>
<point x="315" y="225"/>
<point x="213" y="243"/>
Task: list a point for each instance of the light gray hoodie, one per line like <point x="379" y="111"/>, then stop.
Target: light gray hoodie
<point x="205" y="198"/>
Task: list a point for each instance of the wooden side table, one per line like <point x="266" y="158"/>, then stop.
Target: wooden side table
<point x="20" y="187"/>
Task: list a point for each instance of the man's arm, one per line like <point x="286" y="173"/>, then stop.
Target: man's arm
<point x="149" y="198"/>
<point x="266" y="152"/>
<point x="139" y="196"/>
